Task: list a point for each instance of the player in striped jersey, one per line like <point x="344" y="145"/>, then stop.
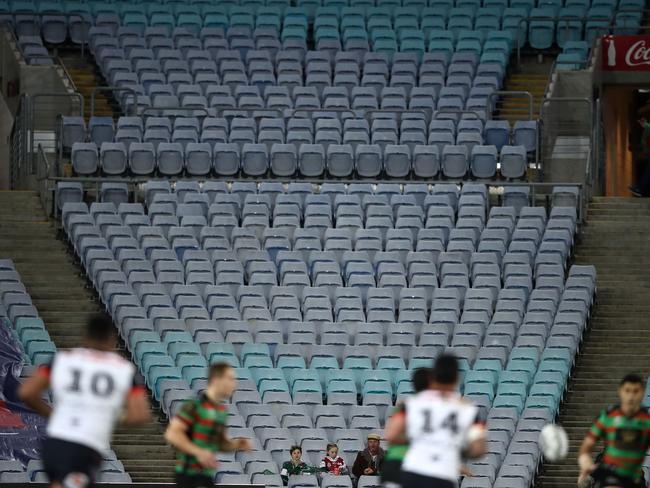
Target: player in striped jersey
<point x="199" y="430"/>
<point x="625" y="432"/>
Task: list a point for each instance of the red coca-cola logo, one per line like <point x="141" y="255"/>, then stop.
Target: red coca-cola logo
<point x="638" y="54"/>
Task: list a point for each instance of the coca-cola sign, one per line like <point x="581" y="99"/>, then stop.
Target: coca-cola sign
<point x="626" y="53"/>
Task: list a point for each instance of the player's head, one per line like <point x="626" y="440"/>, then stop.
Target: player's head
<point x="296" y="453"/>
<point x="222" y="381"/>
<point x="421" y="379"/>
<point x="630" y="392"/>
<point x="100" y="333"/>
<point x="445" y="372"/>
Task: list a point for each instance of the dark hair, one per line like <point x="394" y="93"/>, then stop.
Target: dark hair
<point x="632" y="378"/>
<point x="445" y="370"/>
<point x="330" y="446"/>
<point x="217" y="370"/>
<point x="421" y="379"/>
<point x="294" y="448"/>
<point x="100" y="328"/>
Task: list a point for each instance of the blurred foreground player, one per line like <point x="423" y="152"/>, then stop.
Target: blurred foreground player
<point x="392" y="470"/>
<point x="92" y="388"/>
<point x="625" y="431"/>
<point x="441" y="429"/>
<point x="198" y="431"/>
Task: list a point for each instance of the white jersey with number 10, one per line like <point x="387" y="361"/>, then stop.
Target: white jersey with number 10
<point x="437" y="426"/>
<point x="89" y="388"/>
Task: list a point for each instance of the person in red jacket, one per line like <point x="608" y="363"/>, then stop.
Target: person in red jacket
<point x="333" y="463"/>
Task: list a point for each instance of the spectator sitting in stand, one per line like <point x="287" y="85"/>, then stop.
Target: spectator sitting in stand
<point x="370" y="460"/>
<point x="333" y="463"/>
<point x="295" y="466"/>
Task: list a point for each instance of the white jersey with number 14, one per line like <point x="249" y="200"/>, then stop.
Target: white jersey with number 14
<point x="89" y="388"/>
<point x="437" y="426"/>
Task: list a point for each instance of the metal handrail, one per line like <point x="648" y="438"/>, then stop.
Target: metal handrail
<point x="67" y="73"/>
<point x="113" y="89"/>
<point x="513" y="93"/>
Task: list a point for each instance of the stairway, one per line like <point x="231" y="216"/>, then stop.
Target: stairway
<point x="83" y="72"/>
<point x="63" y="299"/>
<point x="615" y="239"/>
<point x="530" y="76"/>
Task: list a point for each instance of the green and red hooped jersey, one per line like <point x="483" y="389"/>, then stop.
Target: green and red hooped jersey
<point x="626" y="440"/>
<point x="206" y="422"/>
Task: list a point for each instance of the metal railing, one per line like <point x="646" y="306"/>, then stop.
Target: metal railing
<point x="112" y="89"/>
<point x="19" y="143"/>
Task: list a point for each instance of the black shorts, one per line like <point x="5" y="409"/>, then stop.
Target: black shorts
<point x="193" y="480"/>
<point x="69" y="463"/>
<point x="604" y="476"/>
<point x="412" y="480"/>
<point x="391" y="472"/>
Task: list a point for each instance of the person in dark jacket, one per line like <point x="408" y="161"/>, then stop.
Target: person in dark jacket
<point x="370" y="460"/>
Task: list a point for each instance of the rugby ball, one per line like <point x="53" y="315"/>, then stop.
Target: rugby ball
<point x="554" y="442"/>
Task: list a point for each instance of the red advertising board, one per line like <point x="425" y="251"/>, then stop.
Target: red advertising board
<point x="626" y="53"/>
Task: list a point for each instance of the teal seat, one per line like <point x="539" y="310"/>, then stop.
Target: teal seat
<point x="156" y="376"/>
<point x="512" y="22"/>
<point x="294" y="32"/>
<point x="268" y="17"/>
<point x="374" y="375"/>
<point x="31" y="335"/>
<point x="254" y="350"/>
<point x="252" y="361"/>
<point x="261" y="374"/>
<point x="412" y="46"/>
<point x="355" y="35"/>
<point x="376" y="386"/>
<point x="40" y="352"/>
<point x="546" y="389"/>
<point x="541" y="31"/>
<point x="220" y="347"/>
<point x="526" y="353"/>
<point x="307" y="8"/>
<point x="291" y="362"/>
<point x="579" y="47"/>
<point x="547" y="402"/>
<point x="404" y="388"/>
<point x="215" y="16"/>
<point x="488" y="20"/>
<point x="494" y="57"/>
<point x="26" y="323"/>
<point x="292" y="375"/>
<point x="488" y="365"/>
<point x="190" y="361"/>
<point x="272" y="384"/>
<point x="570" y="25"/>
<point x="502" y="35"/>
<point x="512" y="401"/>
<point x="241" y="16"/>
<point x="480" y="389"/>
<point x="243" y="374"/>
<point x="526" y="365"/>
<point x="156" y="360"/>
<point x="354" y="12"/>
<point x="494" y="46"/>
<point x="223" y="357"/>
<point x="550" y="377"/>
<point x="483" y="376"/>
<point x="135" y="20"/>
<point x="328" y="12"/>
<point x="180" y="349"/>
<point x="417" y="363"/>
<point x="357" y="363"/>
<point x="554" y="365"/>
<point x="378" y="22"/>
<point x="323" y="362"/>
<point x="144" y="349"/>
<point x="341" y="386"/>
<point x="558" y="353"/>
<point x="402" y="376"/>
<point x="392" y="364"/>
<point x="515" y="377"/>
<point x="512" y="389"/>
<point x="392" y="4"/>
<point x="192" y="22"/>
<point x="192" y="373"/>
<point x="353" y="22"/>
<point x="442" y="46"/>
<point x="326" y="33"/>
<point x="306" y="386"/>
<point x="173" y="336"/>
<point x="326" y="21"/>
<point x="432" y="21"/>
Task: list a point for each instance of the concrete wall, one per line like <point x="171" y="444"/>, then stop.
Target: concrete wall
<point x="6" y="123"/>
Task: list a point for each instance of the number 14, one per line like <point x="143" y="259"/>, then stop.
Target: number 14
<point x="450" y="423"/>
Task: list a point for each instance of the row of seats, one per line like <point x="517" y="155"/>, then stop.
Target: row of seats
<point x="296" y="131"/>
<point x="368" y="160"/>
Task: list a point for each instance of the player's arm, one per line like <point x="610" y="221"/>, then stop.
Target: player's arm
<point x="239" y="444"/>
<point x="395" y="431"/>
<point x="585" y="460"/>
<point x="31" y="391"/>
<point x="177" y="435"/>
<point x="475" y="440"/>
<point x="138" y="410"/>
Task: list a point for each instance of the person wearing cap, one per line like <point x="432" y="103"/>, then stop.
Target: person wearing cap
<point x="370" y="460"/>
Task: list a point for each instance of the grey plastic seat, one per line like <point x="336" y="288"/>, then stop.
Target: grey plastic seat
<point x="484" y="161"/>
<point x="369" y="160"/>
<point x="397" y="160"/>
<point x="340" y="160"/>
<point x="283" y="159"/>
<point x="513" y="161"/>
<point x="226" y="159"/>
<point x="455" y="161"/>
<point x="85" y="158"/>
<point x="255" y="159"/>
<point x="170" y="158"/>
